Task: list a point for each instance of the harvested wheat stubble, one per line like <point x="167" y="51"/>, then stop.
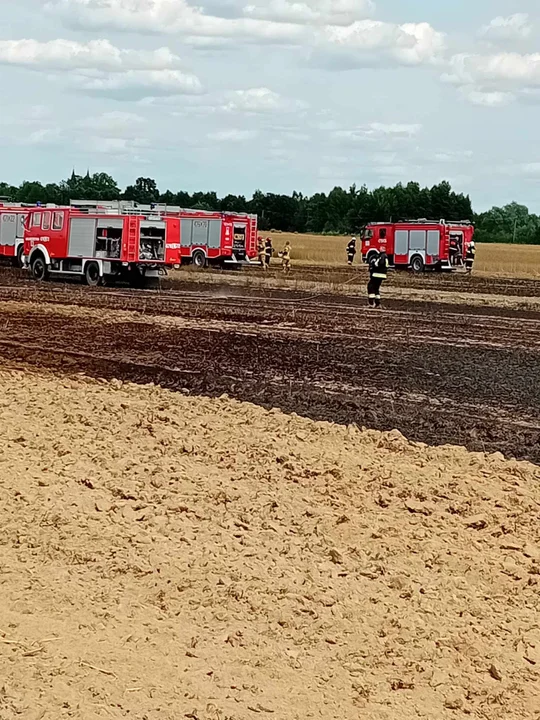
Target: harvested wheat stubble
<point x="168" y="557"/>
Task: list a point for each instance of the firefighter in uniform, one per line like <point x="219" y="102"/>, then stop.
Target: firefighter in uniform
<point x="261" y="252"/>
<point x="351" y="251"/>
<point x="268" y="251"/>
<point x="378" y="272"/>
<point x="470" y="257"/>
<point x="285" y="255"/>
<point x="454" y="250"/>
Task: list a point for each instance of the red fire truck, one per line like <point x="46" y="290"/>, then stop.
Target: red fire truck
<point x="206" y="238"/>
<point x="98" y="244"/>
<point x="12" y="219"/>
<point x="419" y="244"/>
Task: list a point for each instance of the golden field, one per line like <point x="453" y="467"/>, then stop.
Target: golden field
<point x="493" y="259"/>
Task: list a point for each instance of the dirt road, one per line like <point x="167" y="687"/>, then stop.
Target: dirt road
<point x="438" y="374"/>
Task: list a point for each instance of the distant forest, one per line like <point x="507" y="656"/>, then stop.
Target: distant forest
<point x="339" y="212"/>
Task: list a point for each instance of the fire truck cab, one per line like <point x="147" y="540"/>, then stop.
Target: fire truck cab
<point x="12" y="219"/>
<point x="66" y="241"/>
<point x="419" y="244"/>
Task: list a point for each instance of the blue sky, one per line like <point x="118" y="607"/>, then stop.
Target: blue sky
<point x="234" y="95"/>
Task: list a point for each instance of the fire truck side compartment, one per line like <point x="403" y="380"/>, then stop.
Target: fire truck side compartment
<point x="200" y="233"/>
<point x="417" y="240"/>
<point x="401" y="243"/>
<point x="433" y="243"/>
<point x="152" y="240"/>
<point x="214" y="234"/>
<point x="186" y="227"/>
<point x="8" y="229"/>
<point x="109" y="237"/>
<point x="82" y="237"/>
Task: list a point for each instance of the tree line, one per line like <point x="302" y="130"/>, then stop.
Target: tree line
<point x="339" y="212"/>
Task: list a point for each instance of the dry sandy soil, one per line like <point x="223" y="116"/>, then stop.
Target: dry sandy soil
<point x="165" y="557"/>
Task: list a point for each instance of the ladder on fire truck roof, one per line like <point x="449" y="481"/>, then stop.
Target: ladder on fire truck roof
<point x="128" y="207"/>
<point x="424" y="221"/>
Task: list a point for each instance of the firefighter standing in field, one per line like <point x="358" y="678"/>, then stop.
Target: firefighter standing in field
<point x="261" y="252"/>
<point x="470" y="257"/>
<point x="268" y="251"/>
<point x="378" y="272"/>
<point x="454" y="250"/>
<point x="351" y="251"/>
<point x="285" y="255"/>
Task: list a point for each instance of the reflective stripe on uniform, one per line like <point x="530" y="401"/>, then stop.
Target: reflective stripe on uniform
<point x="379" y="275"/>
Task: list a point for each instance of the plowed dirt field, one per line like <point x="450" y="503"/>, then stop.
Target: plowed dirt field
<point x="439" y="373"/>
<point x="165" y="557"/>
<point x="196" y="523"/>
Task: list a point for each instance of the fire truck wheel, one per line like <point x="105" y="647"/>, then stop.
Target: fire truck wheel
<point x="417" y="263"/>
<point x="199" y="259"/>
<point x="40" y="271"/>
<point x="18" y="258"/>
<point x="91" y="274"/>
<point x="136" y="278"/>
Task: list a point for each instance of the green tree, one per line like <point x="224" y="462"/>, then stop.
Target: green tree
<point x="508" y="224"/>
<point x="145" y="191"/>
<point x="8" y="191"/>
<point x="317" y="213"/>
<point x="31" y="193"/>
<point x="168" y="197"/>
<point x="234" y="203"/>
<point x="341" y="211"/>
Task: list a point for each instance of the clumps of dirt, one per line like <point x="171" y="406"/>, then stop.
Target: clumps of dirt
<point x="168" y="557"/>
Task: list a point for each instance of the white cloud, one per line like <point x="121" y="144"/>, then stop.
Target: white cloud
<point x="324" y="12"/>
<point x="116" y="134"/>
<point x="259" y="100"/>
<point x="496" y="79"/>
<point x="503" y="29"/>
<point x="420" y="44"/>
<point x="394" y="173"/>
<point x="43" y="136"/>
<point x="98" y="67"/>
<point x="250" y="102"/>
<point x="453" y="156"/>
<point x="532" y="168"/>
<point x="521" y="170"/>
<point x="117" y="146"/>
<point x="530" y="96"/>
<point x="71" y="55"/>
<point x="509" y="68"/>
<point x="394" y="129"/>
<point x="138" y="84"/>
<point x="485" y="98"/>
<point x="330" y="27"/>
<point x="114" y="124"/>
<point x="378" y="131"/>
<point x="370" y="42"/>
<point x="113" y="133"/>
<point x="171" y="17"/>
<point x="232" y="135"/>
